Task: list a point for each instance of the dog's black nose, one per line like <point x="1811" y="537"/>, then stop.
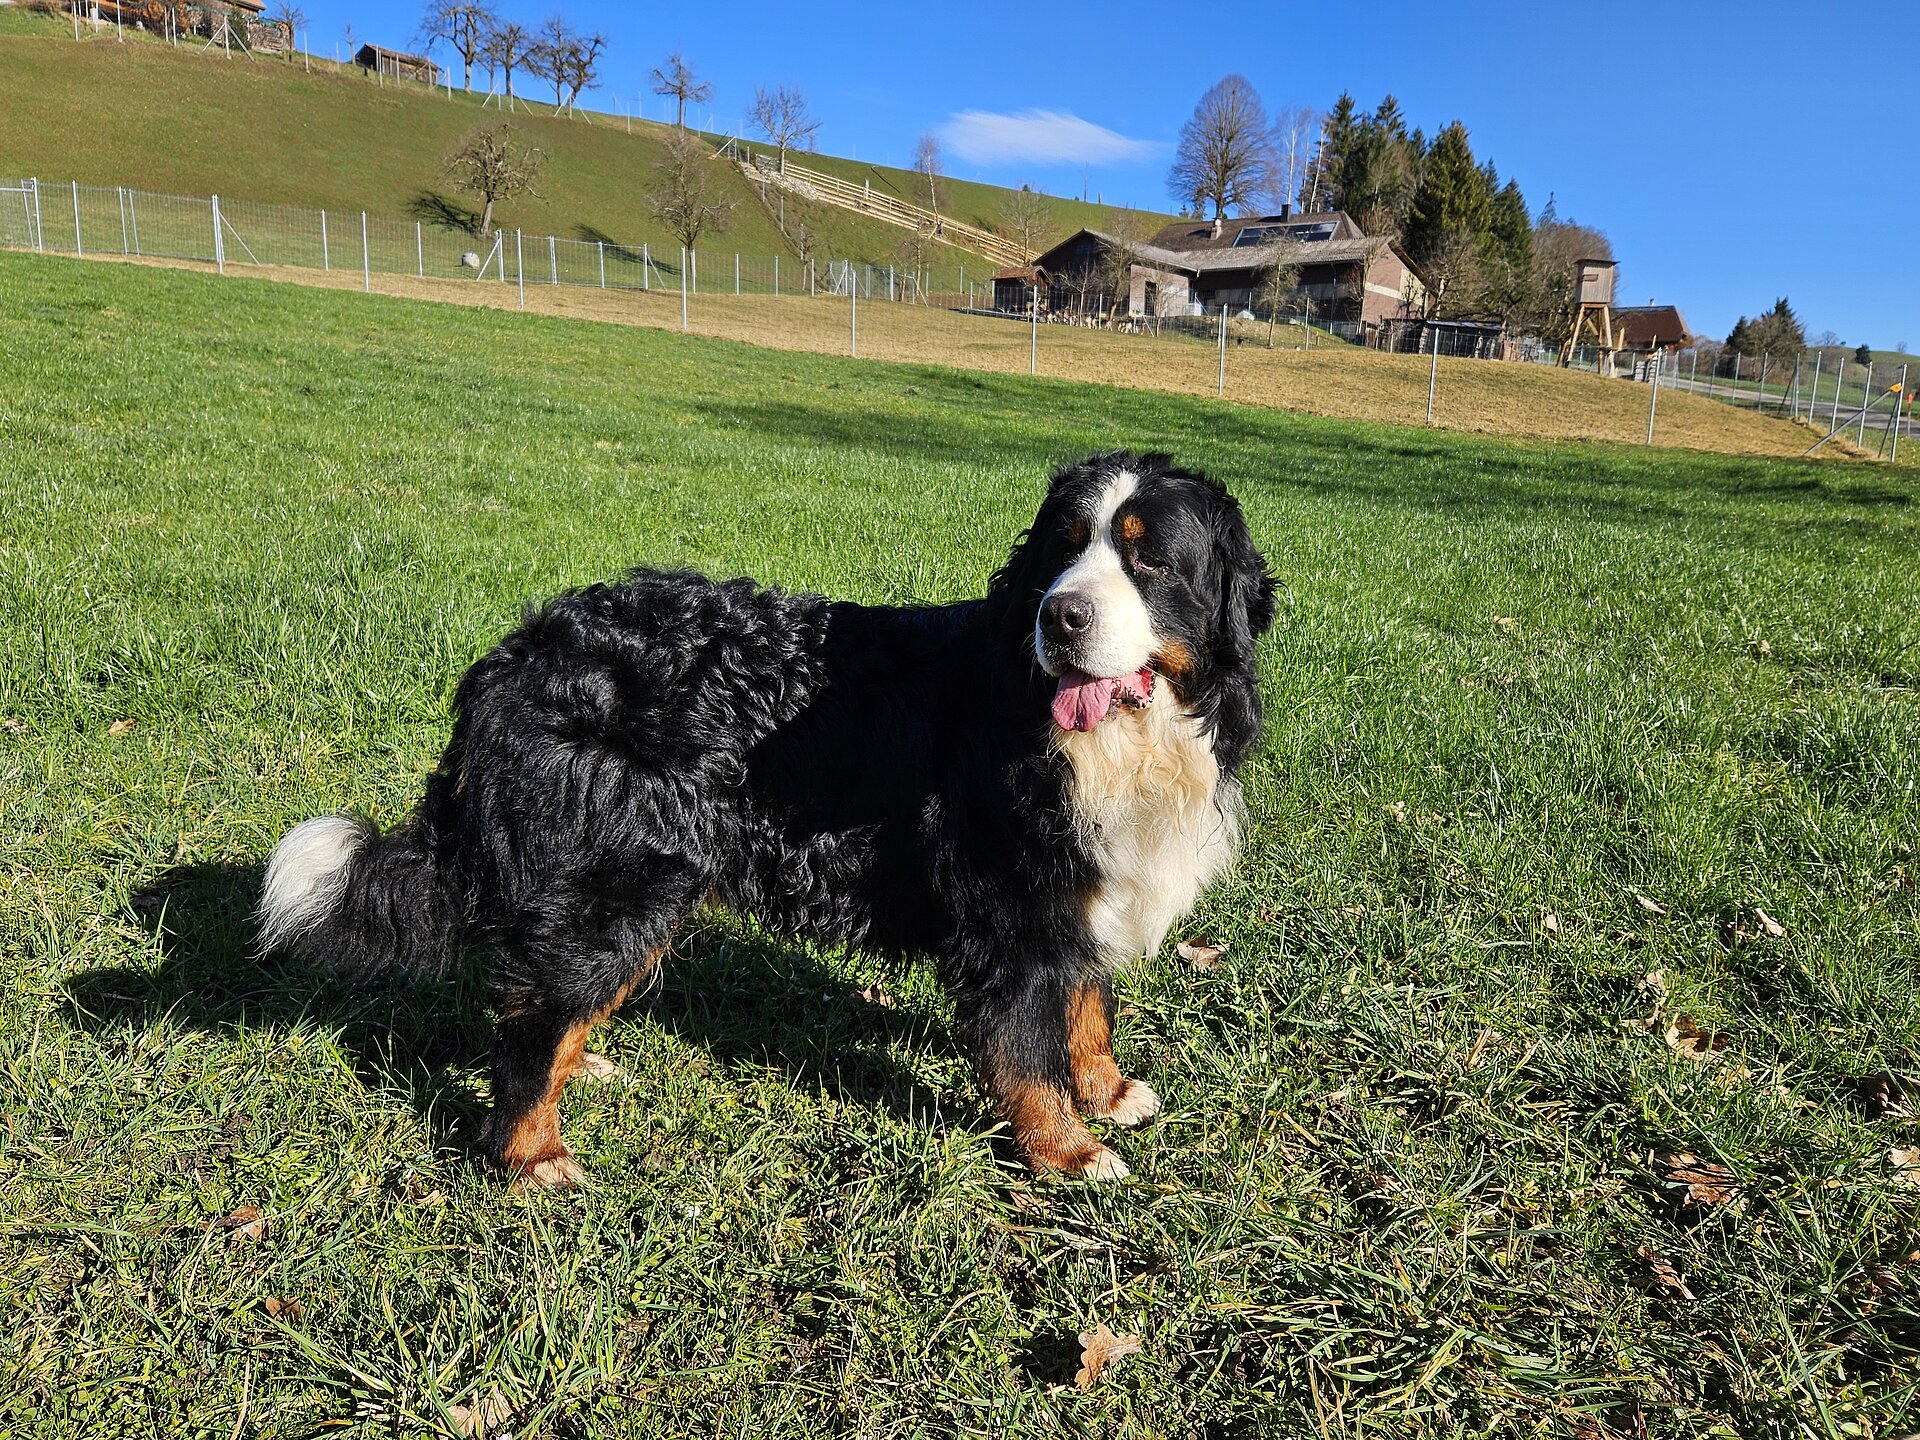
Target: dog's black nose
<point x="1064" y="616"/>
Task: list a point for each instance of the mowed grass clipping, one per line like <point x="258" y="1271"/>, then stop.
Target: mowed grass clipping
<point x="1543" y="720"/>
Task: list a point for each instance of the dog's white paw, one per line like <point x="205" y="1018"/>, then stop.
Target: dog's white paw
<point x="1105" y="1165"/>
<point x="1136" y="1103"/>
<point x="555" y="1172"/>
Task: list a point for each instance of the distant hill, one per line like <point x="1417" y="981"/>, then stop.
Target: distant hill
<point x="140" y="113"/>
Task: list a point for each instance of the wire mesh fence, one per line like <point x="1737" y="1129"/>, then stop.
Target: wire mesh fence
<point x="1829" y="390"/>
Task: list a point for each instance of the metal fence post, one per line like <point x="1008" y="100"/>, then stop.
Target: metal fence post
<point x="366" y="257"/>
<point x="520" y="268"/>
<point x="553" y="261"/>
<point x="603" y="263"/>
<point x="78" y="249"/>
<point x="1899" y="404"/>
<point x="1033" y="337"/>
<point x="1866" y="404"/>
<point x="1760" y="395"/>
<point x="120" y="194"/>
<point x="1221" y="389"/>
<point x="326" y="256"/>
<point x="736" y="272"/>
<point x="692" y="267"/>
<point x="219" y="241"/>
<point x="419" y="250"/>
<point x="776" y="275"/>
<point x="1433" y="373"/>
<point x="133" y="218"/>
<point x="646" y="269"/>
<point x="1813" y="390"/>
<point x="1653" y="399"/>
<point x="853" y="291"/>
<point x="890" y="282"/>
<point x="683" y="289"/>
<point x="39" y="231"/>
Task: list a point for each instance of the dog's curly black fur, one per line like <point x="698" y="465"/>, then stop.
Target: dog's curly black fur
<point x="886" y="777"/>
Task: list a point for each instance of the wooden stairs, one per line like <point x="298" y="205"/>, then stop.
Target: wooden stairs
<point x="832" y="190"/>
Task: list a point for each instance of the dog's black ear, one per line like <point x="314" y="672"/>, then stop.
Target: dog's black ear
<point x="1246" y="587"/>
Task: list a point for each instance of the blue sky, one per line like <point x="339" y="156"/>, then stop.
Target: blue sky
<point x="1732" y="153"/>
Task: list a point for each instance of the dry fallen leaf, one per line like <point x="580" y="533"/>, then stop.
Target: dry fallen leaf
<point x="1398" y="810"/>
<point x="1906" y="1166"/>
<point x="1652" y="907"/>
<point x="1098" y="1346"/>
<point x="288" y="1310"/>
<point x="1707" y="1183"/>
<point x="482" y="1418"/>
<point x="242" y="1224"/>
<point x="1198" y="953"/>
<point x="1505" y="622"/>
<point x="876" y="994"/>
<point x="1664" y="1272"/>
<point x="1767" y="923"/>
<point x="598" y="1067"/>
<point x="120" y="727"/>
<point x="1691" y="1041"/>
<point x="13" y="726"/>
<point x="1551" y="924"/>
<point x="1652" y="987"/>
<point x="1761" y="647"/>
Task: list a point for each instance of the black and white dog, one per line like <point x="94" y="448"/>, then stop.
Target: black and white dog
<point x="1032" y="787"/>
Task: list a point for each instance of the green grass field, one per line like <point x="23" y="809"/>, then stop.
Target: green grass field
<point x="183" y="120"/>
<point x="1543" y="720"/>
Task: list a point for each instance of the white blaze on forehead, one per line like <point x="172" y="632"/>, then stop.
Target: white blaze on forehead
<point x="1120" y="640"/>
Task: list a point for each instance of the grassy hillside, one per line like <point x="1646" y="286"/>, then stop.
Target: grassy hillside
<point x="177" y="119"/>
<point x="1548" y="728"/>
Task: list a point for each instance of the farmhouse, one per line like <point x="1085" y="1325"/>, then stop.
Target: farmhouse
<point x="1195" y="266"/>
<point x="397" y="64"/>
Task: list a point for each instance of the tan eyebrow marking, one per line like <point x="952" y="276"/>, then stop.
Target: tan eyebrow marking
<point x="1077" y="530"/>
<point x="1133" y="529"/>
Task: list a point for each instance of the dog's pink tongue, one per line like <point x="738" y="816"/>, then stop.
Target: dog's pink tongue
<point x="1082" y="700"/>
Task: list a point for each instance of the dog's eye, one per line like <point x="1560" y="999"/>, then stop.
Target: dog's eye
<point x="1145" y="564"/>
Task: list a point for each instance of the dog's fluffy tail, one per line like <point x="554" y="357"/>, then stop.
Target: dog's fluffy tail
<point x="339" y="891"/>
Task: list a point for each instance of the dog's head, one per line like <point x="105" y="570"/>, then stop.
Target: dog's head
<point x="1138" y="574"/>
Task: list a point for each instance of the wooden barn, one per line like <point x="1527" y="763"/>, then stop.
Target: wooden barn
<point x="397" y="64"/>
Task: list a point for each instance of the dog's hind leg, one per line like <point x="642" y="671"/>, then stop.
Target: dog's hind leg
<point x="1099" y="1087"/>
<point x="554" y="997"/>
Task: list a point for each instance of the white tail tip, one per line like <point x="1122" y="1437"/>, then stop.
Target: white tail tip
<point x="305" y="875"/>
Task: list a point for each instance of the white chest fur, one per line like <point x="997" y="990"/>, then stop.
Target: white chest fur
<point x="1159" y="818"/>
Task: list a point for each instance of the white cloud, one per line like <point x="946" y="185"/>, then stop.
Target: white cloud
<point x="1039" y="137"/>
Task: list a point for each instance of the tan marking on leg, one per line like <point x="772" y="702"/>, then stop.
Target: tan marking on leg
<point x="535" y="1154"/>
<point x="1097" y="1081"/>
<point x="1052" y="1137"/>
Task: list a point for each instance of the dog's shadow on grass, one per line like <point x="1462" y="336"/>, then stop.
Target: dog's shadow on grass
<point x="737" y="995"/>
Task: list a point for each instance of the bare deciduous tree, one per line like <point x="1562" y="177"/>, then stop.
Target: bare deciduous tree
<point x="929" y="164"/>
<point x="1225" y="154"/>
<point x="509" y="45"/>
<point x="292" y="19"/>
<point x="492" y="164"/>
<point x="683" y="198"/>
<point x="781" y="115"/>
<point x="1027" y="220"/>
<point x="463" y="25"/>
<point x="1127" y="232"/>
<point x="1296" y="131"/>
<point x="566" y="59"/>
<point x="676" y="78"/>
<point x="1278" y="279"/>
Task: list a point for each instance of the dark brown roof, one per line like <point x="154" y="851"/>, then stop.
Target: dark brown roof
<point x="1189" y="235"/>
<point x="1643" y="327"/>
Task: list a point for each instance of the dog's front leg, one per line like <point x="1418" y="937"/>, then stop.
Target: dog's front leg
<point x="1018" y="1031"/>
